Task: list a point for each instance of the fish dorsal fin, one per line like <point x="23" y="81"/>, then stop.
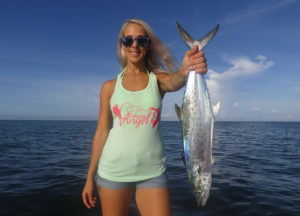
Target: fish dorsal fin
<point x="216" y="108"/>
<point x="178" y="111"/>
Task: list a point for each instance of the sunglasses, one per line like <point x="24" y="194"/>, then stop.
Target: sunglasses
<point x="142" y="41"/>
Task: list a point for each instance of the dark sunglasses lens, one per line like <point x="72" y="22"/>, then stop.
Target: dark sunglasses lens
<point x="142" y="41"/>
<point x="127" y="41"/>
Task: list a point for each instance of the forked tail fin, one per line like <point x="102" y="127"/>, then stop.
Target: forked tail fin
<point x="201" y="42"/>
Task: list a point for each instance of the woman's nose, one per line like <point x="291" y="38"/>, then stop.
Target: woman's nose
<point x="135" y="43"/>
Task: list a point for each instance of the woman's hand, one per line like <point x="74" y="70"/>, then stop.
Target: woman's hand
<point x="87" y="194"/>
<point x="193" y="60"/>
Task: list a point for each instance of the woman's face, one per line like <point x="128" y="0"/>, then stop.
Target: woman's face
<point x="135" y="54"/>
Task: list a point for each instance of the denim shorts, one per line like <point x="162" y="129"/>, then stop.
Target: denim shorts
<point x="156" y="182"/>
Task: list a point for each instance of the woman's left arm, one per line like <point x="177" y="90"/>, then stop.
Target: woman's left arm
<point x="192" y="60"/>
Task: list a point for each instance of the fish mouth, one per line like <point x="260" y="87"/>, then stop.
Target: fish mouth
<point x="201" y="198"/>
<point x="201" y="193"/>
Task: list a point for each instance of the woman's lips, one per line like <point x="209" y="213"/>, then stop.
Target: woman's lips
<point x="134" y="53"/>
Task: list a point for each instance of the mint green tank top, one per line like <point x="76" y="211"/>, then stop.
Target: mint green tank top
<point x="133" y="150"/>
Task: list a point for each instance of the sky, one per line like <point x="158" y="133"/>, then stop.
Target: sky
<point x="55" y="55"/>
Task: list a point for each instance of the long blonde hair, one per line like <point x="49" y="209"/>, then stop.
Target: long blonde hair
<point x="158" y="57"/>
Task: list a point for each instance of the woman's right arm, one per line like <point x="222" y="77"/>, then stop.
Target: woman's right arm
<point x="102" y="131"/>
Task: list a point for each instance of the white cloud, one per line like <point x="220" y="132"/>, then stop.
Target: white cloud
<point x="296" y="88"/>
<point x="242" y="66"/>
<point x="228" y="86"/>
<point x="221" y="85"/>
<point x="256" y="109"/>
<point x="165" y="115"/>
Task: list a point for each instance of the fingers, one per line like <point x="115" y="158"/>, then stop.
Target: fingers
<point x="198" y="63"/>
<point x="88" y="200"/>
<point x="195" y="60"/>
<point x="193" y="51"/>
<point x="199" y="68"/>
<point x="198" y="56"/>
<point x="92" y="200"/>
<point x="85" y="200"/>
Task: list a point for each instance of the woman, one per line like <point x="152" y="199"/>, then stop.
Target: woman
<point x="127" y="150"/>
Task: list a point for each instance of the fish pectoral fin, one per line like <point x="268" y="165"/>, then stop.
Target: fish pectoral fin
<point x="183" y="159"/>
<point x="216" y="108"/>
<point x="178" y="111"/>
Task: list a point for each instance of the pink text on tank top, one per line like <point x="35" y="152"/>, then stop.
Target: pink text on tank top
<point x="136" y="115"/>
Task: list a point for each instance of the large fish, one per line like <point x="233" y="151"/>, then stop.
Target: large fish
<point x="197" y="120"/>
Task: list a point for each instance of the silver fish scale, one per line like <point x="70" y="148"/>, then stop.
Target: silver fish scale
<point x="197" y="121"/>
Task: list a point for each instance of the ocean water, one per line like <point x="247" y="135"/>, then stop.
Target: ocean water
<point x="43" y="165"/>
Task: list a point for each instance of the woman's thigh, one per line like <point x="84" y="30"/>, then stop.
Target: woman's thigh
<point x="153" y="201"/>
<point x="114" y="201"/>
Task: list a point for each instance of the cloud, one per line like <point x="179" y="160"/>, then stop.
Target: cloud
<point x="236" y="104"/>
<point x="242" y="67"/>
<point x="166" y="115"/>
<point x="256" y="10"/>
<point x="296" y="88"/>
<point x="256" y="109"/>
<point x="230" y="86"/>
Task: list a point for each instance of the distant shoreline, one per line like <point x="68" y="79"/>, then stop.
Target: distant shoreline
<point x="254" y="121"/>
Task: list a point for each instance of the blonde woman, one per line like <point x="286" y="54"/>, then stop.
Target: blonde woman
<point x="127" y="151"/>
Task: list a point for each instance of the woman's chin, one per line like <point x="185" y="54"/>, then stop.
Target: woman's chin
<point x="136" y="60"/>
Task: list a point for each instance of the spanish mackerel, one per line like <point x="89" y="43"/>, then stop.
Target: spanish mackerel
<point x="197" y="120"/>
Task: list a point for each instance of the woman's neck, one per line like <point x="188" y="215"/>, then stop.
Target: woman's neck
<point x="135" y="69"/>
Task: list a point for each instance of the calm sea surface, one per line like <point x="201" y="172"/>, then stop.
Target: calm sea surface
<point x="43" y="165"/>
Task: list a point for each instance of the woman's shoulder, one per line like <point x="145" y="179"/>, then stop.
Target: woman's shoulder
<point x="160" y="73"/>
<point x="108" y="87"/>
<point x="110" y="83"/>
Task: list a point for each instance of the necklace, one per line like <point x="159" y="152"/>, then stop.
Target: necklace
<point x="137" y="79"/>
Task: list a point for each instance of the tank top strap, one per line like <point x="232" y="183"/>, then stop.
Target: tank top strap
<point x="152" y="79"/>
<point x="152" y="82"/>
<point x="121" y="75"/>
